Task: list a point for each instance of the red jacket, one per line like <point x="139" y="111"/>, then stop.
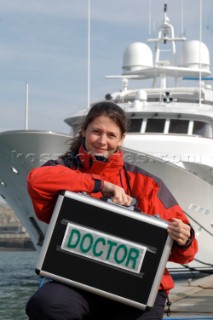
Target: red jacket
<point x="84" y="173"/>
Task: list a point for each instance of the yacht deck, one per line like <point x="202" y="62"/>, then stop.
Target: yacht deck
<point x="192" y="300"/>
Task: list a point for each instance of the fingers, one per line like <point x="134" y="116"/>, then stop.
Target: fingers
<point x="179" y="231"/>
<point x="122" y="198"/>
<point x="117" y="194"/>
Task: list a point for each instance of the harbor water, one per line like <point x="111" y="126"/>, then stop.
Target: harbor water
<point x="18" y="281"/>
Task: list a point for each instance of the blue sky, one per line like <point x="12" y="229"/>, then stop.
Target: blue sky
<point x="44" y="43"/>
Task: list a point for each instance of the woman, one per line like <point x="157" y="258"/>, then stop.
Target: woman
<point x="94" y="164"/>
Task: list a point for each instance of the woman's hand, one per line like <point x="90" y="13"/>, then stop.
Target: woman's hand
<point x="179" y="231"/>
<point x="116" y="194"/>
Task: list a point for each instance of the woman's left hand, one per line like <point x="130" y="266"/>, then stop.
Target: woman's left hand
<point x="179" y="231"/>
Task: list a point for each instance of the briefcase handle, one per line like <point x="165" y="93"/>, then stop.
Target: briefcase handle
<point x="132" y="207"/>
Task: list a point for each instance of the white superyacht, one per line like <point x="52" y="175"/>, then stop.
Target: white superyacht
<point x="171" y="135"/>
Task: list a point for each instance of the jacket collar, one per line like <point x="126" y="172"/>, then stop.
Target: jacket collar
<point x="90" y="163"/>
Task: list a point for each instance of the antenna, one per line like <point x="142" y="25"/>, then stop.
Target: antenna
<point x="165" y="7"/>
<point x="201" y="9"/>
<point x="150" y="16"/>
<point x="182" y="22"/>
<point x="26" y="106"/>
<point x="88" y="65"/>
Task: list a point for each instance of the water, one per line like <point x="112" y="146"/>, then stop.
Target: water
<point x="18" y="282"/>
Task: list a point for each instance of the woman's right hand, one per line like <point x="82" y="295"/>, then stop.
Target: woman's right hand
<point x="116" y="194"/>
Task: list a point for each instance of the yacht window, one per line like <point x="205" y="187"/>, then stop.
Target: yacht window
<point x="201" y="128"/>
<point x="155" y="125"/>
<point x="178" y="126"/>
<point x="135" y="125"/>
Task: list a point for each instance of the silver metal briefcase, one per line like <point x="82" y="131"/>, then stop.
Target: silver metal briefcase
<point x="106" y="249"/>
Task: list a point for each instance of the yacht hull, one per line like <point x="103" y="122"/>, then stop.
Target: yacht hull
<point x="195" y="154"/>
<point x="20" y="152"/>
<point x="194" y="196"/>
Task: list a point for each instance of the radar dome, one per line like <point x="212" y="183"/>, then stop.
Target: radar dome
<point x="137" y="56"/>
<point x="195" y="54"/>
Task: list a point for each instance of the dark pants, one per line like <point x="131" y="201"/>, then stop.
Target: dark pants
<point x="55" y="301"/>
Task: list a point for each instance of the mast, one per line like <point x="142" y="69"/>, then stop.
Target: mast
<point x="166" y="35"/>
<point x="200" y="75"/>
<point x="88" y="62"/>
<point x="26" y="106"/>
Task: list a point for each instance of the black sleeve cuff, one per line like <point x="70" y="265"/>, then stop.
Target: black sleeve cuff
<point x="97" y="186"/>
<point x="189" y="241"/>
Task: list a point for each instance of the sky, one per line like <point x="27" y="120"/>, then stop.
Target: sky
<point x="44" y="45"/>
